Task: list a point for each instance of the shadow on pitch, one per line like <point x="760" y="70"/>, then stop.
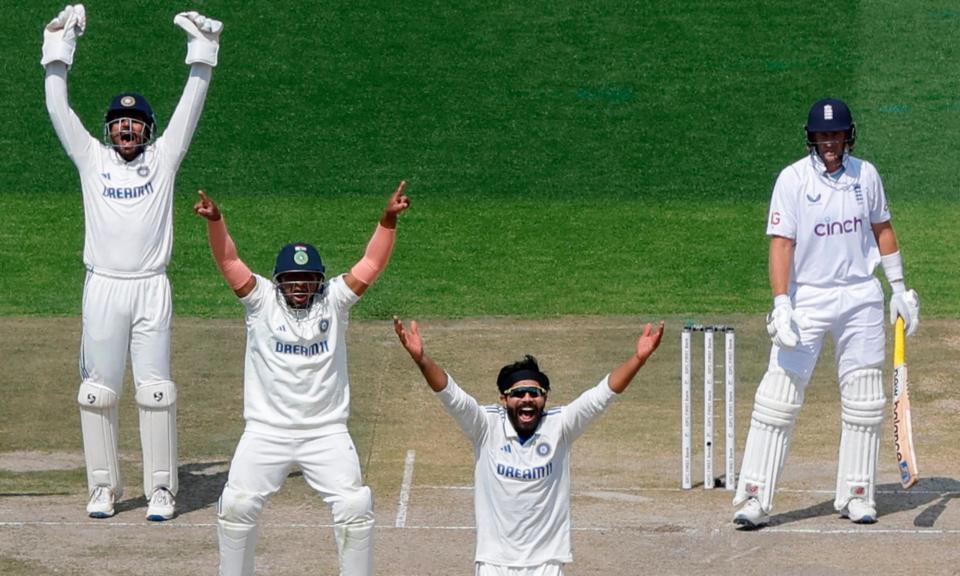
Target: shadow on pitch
<point x="930" y="496"/>
<point x="201" y="484"/>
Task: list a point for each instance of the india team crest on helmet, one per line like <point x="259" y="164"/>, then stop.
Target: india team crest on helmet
<point x="300" y="255"/>
<point x="128" y="101"/>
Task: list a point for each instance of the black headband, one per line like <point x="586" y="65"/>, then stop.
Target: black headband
<point x="509" y="380"/>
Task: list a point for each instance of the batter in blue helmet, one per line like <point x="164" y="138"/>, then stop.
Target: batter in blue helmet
<point x="829" y="227"/>
<point x="296" y="390"/>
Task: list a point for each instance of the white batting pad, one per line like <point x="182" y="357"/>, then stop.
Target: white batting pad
<point x="862" y="402"/>
<point x="353" y="523"/>
<point x="158" y="435"/>
<point x="99" y="423"/>
<point x="237" y="516"/>
<point x="238" y="544"/>
<point x="776" y="405"/>
<point x="355" y="544"/>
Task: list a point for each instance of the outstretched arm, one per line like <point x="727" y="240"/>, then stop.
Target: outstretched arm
<point x="378" y="251"/>
<point x="203" y="44"/>
<point x="435" y="376"/>
<point x="59" y="42"/>
<point x="236" y="273"/>
<point x="623" y="374"/>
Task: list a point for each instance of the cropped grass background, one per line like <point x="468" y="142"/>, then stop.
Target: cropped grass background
<point x="563" y="158"/>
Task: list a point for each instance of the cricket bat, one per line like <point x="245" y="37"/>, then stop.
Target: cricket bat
<point x="902" y="430"/>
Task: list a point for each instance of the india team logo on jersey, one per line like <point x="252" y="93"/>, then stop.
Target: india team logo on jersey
<point x="543" y="449"/>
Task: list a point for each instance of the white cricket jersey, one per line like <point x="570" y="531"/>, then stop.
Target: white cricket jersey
<point x="522" y="491"/>
<point x="127" y="206"/>
<point x="295" y="380"/>
<point x="830" y="220"/>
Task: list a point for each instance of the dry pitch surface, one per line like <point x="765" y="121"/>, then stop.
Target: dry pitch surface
<point x="629" y="515"/>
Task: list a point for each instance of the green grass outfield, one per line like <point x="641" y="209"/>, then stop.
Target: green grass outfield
<point x="562" y="158"/>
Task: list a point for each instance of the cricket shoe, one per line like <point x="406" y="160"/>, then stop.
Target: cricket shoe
<point x="161" y="505"/>
<point x="859" y="512"/>
<point x="751" y="515"/>
<point x="101" y="502"/>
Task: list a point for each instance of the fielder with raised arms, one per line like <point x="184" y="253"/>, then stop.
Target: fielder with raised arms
<point x="127" y="183"/>
<point x="522" y="455"/>
<point x="296" y="390"/>
<point x="829" y="228"/>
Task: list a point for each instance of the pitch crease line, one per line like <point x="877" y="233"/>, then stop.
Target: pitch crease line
<point x="405" y="488"/>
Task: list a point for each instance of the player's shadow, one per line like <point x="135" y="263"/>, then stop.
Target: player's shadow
<point x="200" y="486"/>
<point x="930" y="496"/>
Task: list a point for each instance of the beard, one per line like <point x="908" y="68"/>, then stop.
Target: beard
<point x="525" y="422"/>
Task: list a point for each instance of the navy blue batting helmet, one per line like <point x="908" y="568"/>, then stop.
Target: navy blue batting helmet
<point x="830" y="115"/>
<point x="131" y="105"/>
<point x="298" y="257"/>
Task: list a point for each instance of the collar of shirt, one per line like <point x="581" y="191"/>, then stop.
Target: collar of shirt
<point x="510" y="433"/>
<point x="820" y="168"/>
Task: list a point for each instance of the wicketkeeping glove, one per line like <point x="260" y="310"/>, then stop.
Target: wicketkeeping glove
<point x="905" y="303"/>
<point x="203" y="37"/>
<point x="780" y="323"/>
<point x="60" y="35"/>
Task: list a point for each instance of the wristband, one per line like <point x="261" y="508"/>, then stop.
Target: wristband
<point x="893" y="269"/>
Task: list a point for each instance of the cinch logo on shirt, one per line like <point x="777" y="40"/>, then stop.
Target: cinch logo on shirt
<point x="838" y="227"/>
<point x="535" y="473"/>
<point x="129" y="192"/>
<point x="300" y="350"/>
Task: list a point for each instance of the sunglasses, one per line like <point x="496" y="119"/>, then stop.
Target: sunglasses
<point x="534" y="392"/>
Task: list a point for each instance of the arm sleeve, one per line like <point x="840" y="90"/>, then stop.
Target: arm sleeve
<point x="253" y="301"/>
<point x="234" y="271"/>
<point x="879" y="211"/>
<point x="782" y="218"/>
<point x="469" y="415"/>
<point x="73" y="136"/>
<point x="578" y="414"/>
<point x="183" y="123"/>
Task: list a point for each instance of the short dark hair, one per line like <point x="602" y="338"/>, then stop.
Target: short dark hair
<point x="525" y="369"/>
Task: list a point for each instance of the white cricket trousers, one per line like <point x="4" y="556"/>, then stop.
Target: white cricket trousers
<point x="121" y="315"/>
<point x="546" y="569"/>
<point x="853" y="314"/>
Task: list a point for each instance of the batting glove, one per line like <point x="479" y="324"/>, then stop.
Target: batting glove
<point x="60" y="35"/>
<point x="780" y="323"/>
<point x="905" y="303"/>
<point x="203" y="37"/>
